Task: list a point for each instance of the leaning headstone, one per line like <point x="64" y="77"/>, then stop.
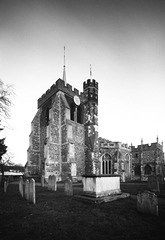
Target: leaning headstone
<point x="153" y="183"/>
<point x="21" y="186"/>
<point x="147" y="202"/>
<point x="68" y="187"/>
<point x="32" y="197"/>
<point x="54" y="183"/>
<point x="27" y="189"/>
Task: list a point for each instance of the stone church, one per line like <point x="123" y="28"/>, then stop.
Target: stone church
<point x="64" y="132"/>
<point x="64" y="139"/>
<point x="147" y="160"/>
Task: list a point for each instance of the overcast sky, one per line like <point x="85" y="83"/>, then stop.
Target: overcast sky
<point x="124" y="40"/>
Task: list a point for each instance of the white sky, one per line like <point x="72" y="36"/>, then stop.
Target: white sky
<point x="124" y="40"/>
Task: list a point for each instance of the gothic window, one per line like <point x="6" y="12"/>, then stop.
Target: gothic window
<point x="76" y="114"/>
<point x="106" y="164"/>
<point x="147" y="169"/>
<point x="79" y="114"/>
<point x="72" y="110"/>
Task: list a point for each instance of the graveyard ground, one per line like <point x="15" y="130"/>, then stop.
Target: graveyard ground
<point x="56" y="216"/>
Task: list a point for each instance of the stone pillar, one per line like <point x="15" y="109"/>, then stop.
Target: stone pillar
<point x="21" y="186"/>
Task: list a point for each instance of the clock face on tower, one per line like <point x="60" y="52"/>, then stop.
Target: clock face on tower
<point x="77" y="100"/>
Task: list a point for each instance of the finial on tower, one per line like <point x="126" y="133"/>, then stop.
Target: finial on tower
<point x="90" y="72"/>
<point x="157" y="139"/>
<point x="64" y="72"/>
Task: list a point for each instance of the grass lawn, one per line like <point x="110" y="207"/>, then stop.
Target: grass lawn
<point x="56" y="216"/>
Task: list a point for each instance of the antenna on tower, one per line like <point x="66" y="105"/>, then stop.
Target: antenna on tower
<point x="64" y="72"/>
<point x="90" y="72"/>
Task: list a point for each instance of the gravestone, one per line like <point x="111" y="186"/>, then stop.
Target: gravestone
<point x="42" y="181"/>
<point x="54" y="183"/>
<point x="21" y="186"/>
<point x="160" y="178"/>
<point x="27" y="189"/>
<point x="8" y="181"/>
<point x="153" y="183"/>
<point x="68" y="187"/>
<point x="32" y="197"/>
<point x="5" y="186"/>
<point x="147" y="202"/>
<point x="49" y="182"/>
<point x="123" y="176"/>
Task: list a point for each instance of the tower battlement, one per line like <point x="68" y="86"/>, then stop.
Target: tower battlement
<point x="90" y="83"/>
<point x="148" y="147"/>
<point x="58" y="86"/>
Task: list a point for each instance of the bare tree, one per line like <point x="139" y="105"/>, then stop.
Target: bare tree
<point x="6" y="94"/>
<point x="3" y="150"/>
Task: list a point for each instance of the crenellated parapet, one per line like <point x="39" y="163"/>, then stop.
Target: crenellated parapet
<point x="90" y="83"/>
<point x="147" y="147"/>
<point x="90" y="88"/>
<point x="109" y="144"/>
<point x="58" y="86"/>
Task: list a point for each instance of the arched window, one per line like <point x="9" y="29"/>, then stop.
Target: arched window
<point x="79" y="114"/>
<point x="76" y="113"/>
<point x="147" y="170"/>
<point x="72" y="110"/>
<point x="106" y="164"/>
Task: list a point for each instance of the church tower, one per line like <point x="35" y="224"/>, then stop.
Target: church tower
<point x="90" y="88"/>
<point x="64" y="136"/>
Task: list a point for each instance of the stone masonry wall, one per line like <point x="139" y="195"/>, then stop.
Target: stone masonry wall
<point x="76" y="154"/>
<point x="53" y="156"/>
<point x="33" y="163"/>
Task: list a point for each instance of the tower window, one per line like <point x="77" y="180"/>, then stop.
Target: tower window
<point x="47" y="116"/>
<point x="72" y="110"/>
<point x="79" y="114"/>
